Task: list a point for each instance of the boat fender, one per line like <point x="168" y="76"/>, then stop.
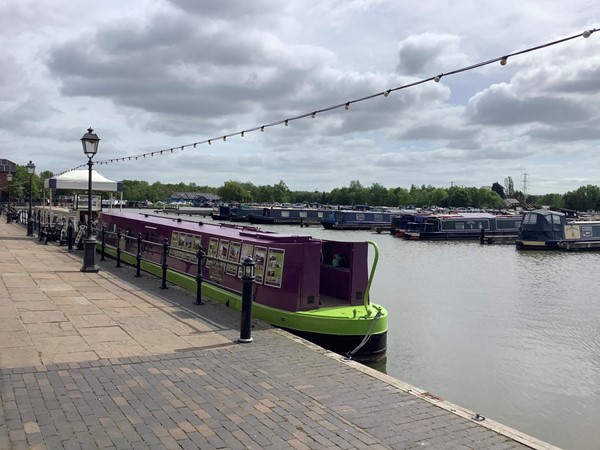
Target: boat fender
<point x="200" y="223"/>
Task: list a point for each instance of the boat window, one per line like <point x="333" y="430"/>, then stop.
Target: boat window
<point x="530" y="219"/>
<point x="556" y="219"/>
<point x="285" y="214"/>
<point x="360" y="217"/>
<point x="459" y="225"/>
<point x="378" y="218"/>
<point x="302" y="214"/>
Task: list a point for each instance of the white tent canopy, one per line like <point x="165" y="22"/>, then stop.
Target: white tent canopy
<point x="78" y="180"/>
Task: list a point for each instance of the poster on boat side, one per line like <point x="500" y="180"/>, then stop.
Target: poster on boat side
<point x="213" y="248"/>
<point x="274" y="267"/>
<point x="260" y="254"/>
<point x="247" y="250"/>
<point x="233" y="256"/>
<point x="188" y="242"/>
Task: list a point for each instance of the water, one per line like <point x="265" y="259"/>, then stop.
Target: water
<point x="513" y="336"/>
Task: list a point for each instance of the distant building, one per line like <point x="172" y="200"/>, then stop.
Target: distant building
<point x="195" y="198"/>
<point x="6" y="167"/>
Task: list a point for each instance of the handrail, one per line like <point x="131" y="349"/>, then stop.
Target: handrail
<point x="373" y="267"/>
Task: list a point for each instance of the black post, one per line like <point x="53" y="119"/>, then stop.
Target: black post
<point x="482" y="236"/>
<point x="39" y="226"/>
<point x="200" y="257"/>
<point x="89" y="245"/>
<point x="70" y="232"/>
<point x="119" y="248"/>
<point x="248" y="271"/>
<point x="164" y="264"/>
<point x="29" y="216"/>
<point x="138" y="256"/>
<point x="8" y="210"/>
<point x="103" y="244"/>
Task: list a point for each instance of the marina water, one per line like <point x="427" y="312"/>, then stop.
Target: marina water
<point x="511" y="335"/>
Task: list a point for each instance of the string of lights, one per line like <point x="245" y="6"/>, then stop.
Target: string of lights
<point x="346" y="105"/>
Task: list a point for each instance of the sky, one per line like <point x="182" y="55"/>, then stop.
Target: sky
<point x="151" y="75"/>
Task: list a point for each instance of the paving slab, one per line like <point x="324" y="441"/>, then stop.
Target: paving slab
<point x="113" y="361"/>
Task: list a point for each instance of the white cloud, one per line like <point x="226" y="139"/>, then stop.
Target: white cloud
<point x="151" y="75"/>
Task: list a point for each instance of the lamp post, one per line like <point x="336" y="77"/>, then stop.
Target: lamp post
<point x="8" y="212"/>
<point x="90" y="142"/>
<point x="30" y="171"/>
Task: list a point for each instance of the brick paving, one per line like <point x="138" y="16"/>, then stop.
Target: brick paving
<point x="108" y="360"/>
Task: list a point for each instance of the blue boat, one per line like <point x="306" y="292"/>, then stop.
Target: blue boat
<point x="463" y="226"/>
<point x="288" y="216"/>
<point x="551" y="230"/>
<point x="358" y="220"/>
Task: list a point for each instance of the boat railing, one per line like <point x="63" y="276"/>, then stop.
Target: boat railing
<point x="367" y="301"/>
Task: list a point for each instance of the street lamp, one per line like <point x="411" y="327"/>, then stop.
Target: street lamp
<point x="30" y="171"/>
<point x="90" y="142"/>
<point x="8" y="212"/>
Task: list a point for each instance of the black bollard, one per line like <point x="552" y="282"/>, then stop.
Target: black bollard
<point x="119" y="248"/>
<point x="164" y="264"/>
<point x="248" y="276"/>
<point x="200" y="258"/>
<point x="103" y="243"/>
<point x="138" y="256"/>
<point x="70" y="232"/>
<point x="482" y="236"/>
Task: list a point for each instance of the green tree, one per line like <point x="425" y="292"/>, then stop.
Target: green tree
<point x="498" y="188"/>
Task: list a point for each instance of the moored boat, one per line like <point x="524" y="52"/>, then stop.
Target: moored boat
<point x="288" y="216"/>
<point x="357" y="220"/>
<point x="463" y="226"/>
<point x="550" y="230"/>
<point x="317" y="289"/>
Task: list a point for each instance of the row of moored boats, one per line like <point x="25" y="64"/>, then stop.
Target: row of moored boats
<point x="538" y="229"/>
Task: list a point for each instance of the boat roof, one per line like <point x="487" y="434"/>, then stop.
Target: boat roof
<point x="231" y="231"/>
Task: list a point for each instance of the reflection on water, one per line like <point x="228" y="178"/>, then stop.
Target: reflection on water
<point x="514" y="336"/>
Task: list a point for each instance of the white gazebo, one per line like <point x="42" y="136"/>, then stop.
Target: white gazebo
<point x="77" y="180"/>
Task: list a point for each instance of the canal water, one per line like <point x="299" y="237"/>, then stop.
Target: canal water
<point x="511" y="335"/>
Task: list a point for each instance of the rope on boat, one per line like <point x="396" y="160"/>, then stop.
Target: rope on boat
<point x="349" y="355"/>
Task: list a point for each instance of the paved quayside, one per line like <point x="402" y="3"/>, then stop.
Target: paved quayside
<point x="108" y="360"/>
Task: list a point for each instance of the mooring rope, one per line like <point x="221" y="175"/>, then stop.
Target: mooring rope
<point x="349" y="355"/>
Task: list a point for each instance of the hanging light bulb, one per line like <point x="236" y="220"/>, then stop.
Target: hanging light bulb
<point x="438" y="78"/>
<point x="386" y="93"/>
<point x="286" y="122"/>
<point x="504" y="60"/>
<point x="209" y="142"/>
<point x="347" y="107"/>
<point x="313" y="115"/>
<point x="224" y="138"/>
<point x="587" y="34"/>
<point x="194" y="145"/>
<point x="262" y="129"/>
<point x="242" y="134"/>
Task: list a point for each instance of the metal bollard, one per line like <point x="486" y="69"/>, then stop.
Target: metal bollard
<point x="103" y="243"/>
<point x="200" y="257"/>
<point x="482" y="236"/>
<point x="119" y="248"/>
<point x="248" y="276"/>
<point x="164" y="264"/>
<point x="138" y="256"/>
<point x="70" y="232"/>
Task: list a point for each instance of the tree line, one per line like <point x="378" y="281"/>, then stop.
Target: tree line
<point x="584" y="198"/>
